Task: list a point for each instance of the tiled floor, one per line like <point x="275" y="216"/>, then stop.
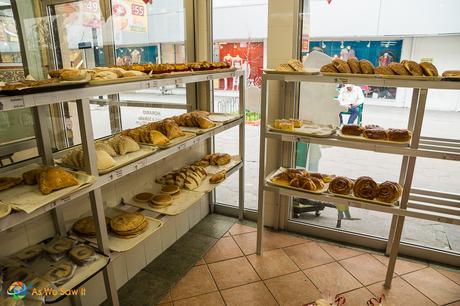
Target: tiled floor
<point x="292" y="270"/>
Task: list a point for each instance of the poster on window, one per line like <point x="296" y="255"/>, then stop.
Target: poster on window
<point x="129" y="15"/>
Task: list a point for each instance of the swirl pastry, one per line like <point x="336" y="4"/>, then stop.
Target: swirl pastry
<point x="399" y="135"/>
<point x="389" y="192"/>
<point x="341" y="185"/>
<point x="318" y="183"/>
<point x="366" y="67"/>
<point x="413" y="67"/>
<point x="377" y="134"/>
<point x="429" y="69"/>
<point x="341" y="66"/>
<point x="324" y="177"/>
<point x="303" y="183"/>
<point x="350" y="129"/>
<point x="366" y="188"/>
<point x="354" y="65"/>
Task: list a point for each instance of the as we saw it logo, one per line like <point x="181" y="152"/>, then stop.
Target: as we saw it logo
<point x="18" y="290"/>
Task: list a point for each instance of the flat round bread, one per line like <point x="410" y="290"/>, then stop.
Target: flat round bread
<point x="398" y="68"/>
<point x="59" y="246"/>
<point x="354" y="65"/>
<point x="30" y="253"/>
<point x="429" y="69"/>
<point x="82" y="254"/>
<point x="127" y="222"/>
<point x="59" y="273"/>
<point x="366" y="67"/>
<point x="136" y="232"/>
<point x="143" y="197"/>
<point x="413" y="67"/>
<point x="86" y="226"/>
<point x="383" y="70"/>
<point x="341" y="66"/>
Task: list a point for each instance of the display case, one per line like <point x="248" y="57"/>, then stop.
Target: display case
<point x="131" y="173"/>
<point x="414" y="203"/>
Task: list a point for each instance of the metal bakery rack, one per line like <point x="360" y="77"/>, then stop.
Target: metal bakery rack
<point x="414" y="203"/>
<point x="39" y="103"/>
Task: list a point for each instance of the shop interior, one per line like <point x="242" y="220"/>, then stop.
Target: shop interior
<point x="228" y="152"/>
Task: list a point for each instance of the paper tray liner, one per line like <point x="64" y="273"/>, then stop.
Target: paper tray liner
<point x="120" y="160"/>
<point x="234" y="161"/>
<point x="269" y="181"/>
<point x="28" y="198"/>
<point x="224" y="117"/>
<point x="206" y="186"/>
<point x="175" y="141"/>
<point x="309" y="71"/>
<point x="119" y="80"/>
<point x="199" y="131"/>
<point x="362" y="138"/>
<point x="184" y="200"/>
<point x="310" y="130"/>
<point x="118" y="244"/>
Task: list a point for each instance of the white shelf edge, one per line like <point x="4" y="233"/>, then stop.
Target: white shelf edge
<point x="21" y="217"/>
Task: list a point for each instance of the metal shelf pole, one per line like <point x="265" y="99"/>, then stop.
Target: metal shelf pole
<point x="97" y="205"/>
<point x="262" y="166"/>
<point x="241" y="149"/>
<point x="407" y="187"/>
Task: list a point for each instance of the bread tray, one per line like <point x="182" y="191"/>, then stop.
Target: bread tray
<point x="224" y="118"/>
<point x="28" y="198"/>
<point x="308" y="71"/>
<point x="175" y="141"/>
<point x="61" y="85"/>
<point x="198" y="72"/>
<point x="199" y="131"/>
<point x="119" y="80"/>
<point x="173" y="74"/>
<point x="310" y="130"/>
<point x="352" y="197"/>
<point x="362" y="138"/>
<point x="280" y="170"/>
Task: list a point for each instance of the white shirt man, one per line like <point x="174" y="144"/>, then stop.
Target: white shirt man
<point x="351" y="96"/>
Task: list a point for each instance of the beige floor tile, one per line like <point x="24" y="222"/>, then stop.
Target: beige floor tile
<point x="339" y="253"/>
<point x="402" y="266"/>
<point x="293" y="289"/>
<point x="241" y="229"/>
<point x="227" y="234"/>
<point x="271" y="240"/>
<point x="166" y="298"/>
<point x="233" y="272"/>
<point x="197" y="281"/>
<point x="332" y="279"/>
<point x="434" y="285"/>
<point x="272" y="263"/>
<point x="167" y="304"/>
<point x="358" y="297"/>
<point x="210" y="299"/>
<point x="454" y="304"/>
<point x="451" y="274"/>
<point x="255" y="294"/>
<point x="366" y="268"/>
<point x="308" y="255"/>
<point x="401" y="293"/>
<point x="200" y="262"/>
<point x="225" y="248"/>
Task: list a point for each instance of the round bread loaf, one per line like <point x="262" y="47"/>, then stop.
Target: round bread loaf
<point x="329" y="68"/>
<point x="429" y="69"/>
<point x="398" y="68"/>
<point x="354" y="65"/>
<point x="413" y="67"/>
<point x="383" y="70"/>
<point x="341" y="66"/>
<point x="366" y="67"/>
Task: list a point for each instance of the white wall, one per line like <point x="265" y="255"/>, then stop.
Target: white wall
<point x="351" y="18"/>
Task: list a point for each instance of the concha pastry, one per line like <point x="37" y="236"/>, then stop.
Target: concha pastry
<point x="55" y="178"/>
<point x="389" y="192"/>
<point x="366" y="188"/>
<point x="366" y="67"/>
<point x="341" y="66"/>
<point x="429" y="69"/>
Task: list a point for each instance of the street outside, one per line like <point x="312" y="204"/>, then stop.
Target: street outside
<point x="431" y="174"/>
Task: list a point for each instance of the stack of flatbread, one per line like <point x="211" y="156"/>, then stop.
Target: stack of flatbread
<point x="128" y="225"/>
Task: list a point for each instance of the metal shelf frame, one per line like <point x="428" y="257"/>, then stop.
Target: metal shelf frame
<point x="40" y="102"/>
<point x="415" y="203"/>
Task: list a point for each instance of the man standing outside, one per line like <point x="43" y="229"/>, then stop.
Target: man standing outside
<point x="351" y="96"/>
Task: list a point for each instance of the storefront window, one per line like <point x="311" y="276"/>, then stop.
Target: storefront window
<point x="243" y="46"/>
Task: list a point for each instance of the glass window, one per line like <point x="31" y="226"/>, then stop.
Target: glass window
<point x="243" y="46"/>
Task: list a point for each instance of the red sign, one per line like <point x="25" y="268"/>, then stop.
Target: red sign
<point x="137" y="10"/>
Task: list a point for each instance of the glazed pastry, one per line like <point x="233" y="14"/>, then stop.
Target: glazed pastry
<point x="282" y="178"/>
<point x="297" y="123"/>
<point x="366" y="188"/>
<point x="324" y="177"/>
<point x="55" y="178"/>
<point x="303" y="183"/>
<point x="373" y="126"/>
<point x="29" y="253"/>
<point x="296" y="65"/>
<point x="218" y="177"/>
<point x="329" y="68"/>
<point x="82" y="254"/>
<point x="366" y="67"/>
<point x="389" y="192"/>
<point x="104" y="146"/>
<point x="383" y="70"/>
<point x="376" y="134"/>
<point x="341" y="66"/>
<point x="318" y="182"/>
<point x="398" y="68"/>
<point x="60" y="273"/>
<point x="59" y="246"/>
<point x="413" y="67"/>
<point x="353" y="130"/>
<point x="399" y="135"/>
<point x="287" y="126"/>
<point x="9" y="182"/>
<point x="354" y="65"/>
<point x="86" y="226"/>
<point x="451" y="73"/>
<point x="429" y="69"/>
<point x="341" y="185"/>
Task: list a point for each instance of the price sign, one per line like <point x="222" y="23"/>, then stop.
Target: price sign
<point x="137" y="10"/>
<point x="118" y="173"/>
<point x="17" y="102"/>
<point x="181" y="147"/>
<point x="91" y="6"/>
